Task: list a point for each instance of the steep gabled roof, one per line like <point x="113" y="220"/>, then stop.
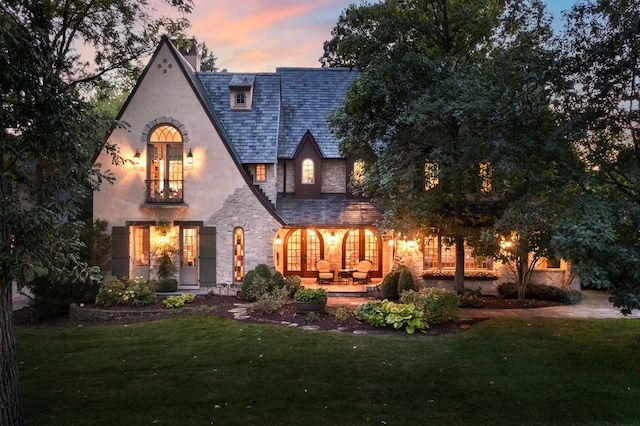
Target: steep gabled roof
<point x="309" y="96"/>
<point x="253" y="132"/>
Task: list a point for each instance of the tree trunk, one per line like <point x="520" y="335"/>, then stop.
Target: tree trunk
<point x="10" y="409"/>
<point x="523" y="264"/>
<point x="458" y="282"/>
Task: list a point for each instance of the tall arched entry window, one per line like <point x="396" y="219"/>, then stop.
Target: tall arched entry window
<point x="165" y="156"/>
<point x="238" y="254"/>
<point x="303" y="248"/>
<point x="361" y="244"/>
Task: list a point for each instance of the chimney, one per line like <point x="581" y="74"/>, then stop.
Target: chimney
<point x="189" y="49"/>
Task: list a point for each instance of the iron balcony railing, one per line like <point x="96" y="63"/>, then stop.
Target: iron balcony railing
<point x="164" y="191"/>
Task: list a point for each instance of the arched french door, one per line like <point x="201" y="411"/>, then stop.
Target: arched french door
<point x="361" y="244"/>
<point x="303" y="247"/>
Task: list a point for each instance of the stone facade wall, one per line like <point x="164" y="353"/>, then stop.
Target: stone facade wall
<point x="334" y="176"/>
<point x="242" y="209"/>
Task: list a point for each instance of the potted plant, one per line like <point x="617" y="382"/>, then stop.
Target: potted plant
<point x="310" y="300"/>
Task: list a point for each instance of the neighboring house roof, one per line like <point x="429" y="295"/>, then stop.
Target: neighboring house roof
<point x="329" y="210"/>
<point x="252" y="132"/>
<point x="309" y="96"/>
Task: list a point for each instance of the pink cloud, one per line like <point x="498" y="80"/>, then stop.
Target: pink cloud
<point x="253" y="36"/>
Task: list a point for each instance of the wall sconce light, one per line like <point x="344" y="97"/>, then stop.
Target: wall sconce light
<point x="190" y="157"/>
<point x="391" y="243"/>
<point x="278" y="240"/>
<point x="332" y="238"/>
<point x="136" y="158"/>
<point x="411" y="243"/>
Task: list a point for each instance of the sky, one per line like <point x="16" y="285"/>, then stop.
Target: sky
<point x="260" y="35"/>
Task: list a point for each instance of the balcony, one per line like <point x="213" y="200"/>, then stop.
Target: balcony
<point x="164" y="191"/>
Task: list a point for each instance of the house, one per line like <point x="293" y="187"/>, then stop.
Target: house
<point x="243" y="169"/>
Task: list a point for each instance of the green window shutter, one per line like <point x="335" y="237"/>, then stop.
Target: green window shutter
<point x="120" y="252"/>
<point x="207" y="256"/>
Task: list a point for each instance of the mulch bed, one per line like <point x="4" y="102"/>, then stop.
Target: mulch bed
<point x="219" y="306"/>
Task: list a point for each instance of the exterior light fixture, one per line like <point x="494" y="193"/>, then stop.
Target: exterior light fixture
<point x="278" y="240"/>
<point x="136" y="158"/>
<point x="391" y="243"/>
<point x="411" y="243"/>
<point x="190" y="157"/>
<point x="332" y="238"/>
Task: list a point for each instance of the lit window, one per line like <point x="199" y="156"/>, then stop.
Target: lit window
<point x="308" y="172"/>
<point x="241" y="98"/>
<point x="358" y="171"/>
<point x="485" y="173"/>
<point x="165" y="165"/>
<point x="431" y="172"/>
<point x="141" y="236"/>
<point x="261" y="172"/>
<point x="189" y="246"/>
<point x="437" y="255"/>
<point x="238" y="254"/>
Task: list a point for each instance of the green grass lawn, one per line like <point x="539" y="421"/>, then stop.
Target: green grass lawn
<point x="202" y="371"/>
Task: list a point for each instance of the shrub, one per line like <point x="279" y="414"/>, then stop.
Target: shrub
<point x="469" y="299"/>
<point x="134" y="292"/>
<point x="383" y="313"/>
<point x="343" y="313"/>
<point x="264" y="271"/>
<point x="541" y="292"/>
<point x="270" y="302"/>
<point x="313" y="317"/>
<point x="389" y="285"/>
<point x="178" y="301"/>
<point x="405" y="281"/>
<point x="310" y="295"/>
<point x="439" y="305"/>
<point x="372" y="312"/>
<point x="292" y="283"/>
<point x="259" y="281"/>
<point x="167" y="285"/>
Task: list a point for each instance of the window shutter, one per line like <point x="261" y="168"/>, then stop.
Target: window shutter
<point x="120" y="252"/>
<point x="207" y="256"/>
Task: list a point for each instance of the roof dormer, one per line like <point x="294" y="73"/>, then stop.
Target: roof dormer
<point x="241" y="91"/>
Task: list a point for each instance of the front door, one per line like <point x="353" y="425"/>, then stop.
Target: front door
<point x="189" y="257"/>
<point x="303" y="248"/>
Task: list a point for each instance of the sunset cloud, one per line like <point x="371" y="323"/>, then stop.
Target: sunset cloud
<point x="260" y="35"/>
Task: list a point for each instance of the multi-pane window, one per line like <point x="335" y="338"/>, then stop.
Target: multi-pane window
<point x="141" y="245"/>
<point x="308" y="175"/>
<point x="440" y="256"/>
<point x="241" y="99"/>
<point x="238" y="254"/>
<point x="165" y="165"/>
<point x="261" y="172"/>
<point x="358" y="171"/>
<point x="189" y="246"/>
<point x="431" y="178"/>
<point x="485" y="173"/>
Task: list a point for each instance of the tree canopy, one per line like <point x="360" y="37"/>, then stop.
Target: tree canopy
<point x="452" y="103"/>
<point x="49" y="137"/>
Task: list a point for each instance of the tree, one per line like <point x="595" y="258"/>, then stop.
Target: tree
<point x="208" y="59"/>
<point x="601" y="51"/>
<point x="48" y="139"/>
<point x="433" y="116"/>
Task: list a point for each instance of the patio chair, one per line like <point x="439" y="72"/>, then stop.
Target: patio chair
<point x="362" y="272"/>
<point x="325" y="273"/>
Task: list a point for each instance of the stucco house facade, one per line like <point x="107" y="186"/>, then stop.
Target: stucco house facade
<point x="243" y="169"/>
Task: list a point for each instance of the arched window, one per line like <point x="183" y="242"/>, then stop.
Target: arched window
<point x="308" y="175"/>
<point x="238" y="254"/>
<point x="165" y="165"/>
<point x="241" y="98"/>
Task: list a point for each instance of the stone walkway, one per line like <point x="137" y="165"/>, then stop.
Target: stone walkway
<point x="594" y="305"/>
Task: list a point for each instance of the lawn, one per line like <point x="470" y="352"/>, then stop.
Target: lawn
<point x="202" y="371"/>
